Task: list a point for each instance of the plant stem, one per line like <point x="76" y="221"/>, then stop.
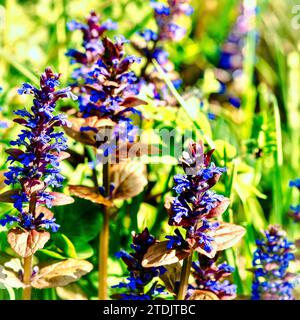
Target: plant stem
<point x="185" y="273"/>
<point x="184" y="277"/>
<point x="27" y="278"/>
<point x="104" y="239"/>
<point x="28" y="260"/>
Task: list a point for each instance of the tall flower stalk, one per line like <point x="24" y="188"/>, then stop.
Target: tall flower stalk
<point x="271" y="260"/>
<point x="232" y="70"/>
<point x="107" y="98"/>
<point x="197" y="210"/>
<point x="34" y="169"/>
<point x="153" y="47"/>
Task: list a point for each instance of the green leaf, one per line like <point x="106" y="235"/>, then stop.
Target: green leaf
<point x="84" y="250"/>
<point x="19" y="66"/>
<point x="81" y="220"/>
<point x="45" y="253"/>
<point x="65" y="244"/>
<point x="183" y="104"/>
<point x="223" y="147"/>
<point x="146" y="216"/>
<point x="194" y="111"/>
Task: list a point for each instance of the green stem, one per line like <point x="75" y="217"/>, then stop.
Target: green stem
<point x="104" y="239"/>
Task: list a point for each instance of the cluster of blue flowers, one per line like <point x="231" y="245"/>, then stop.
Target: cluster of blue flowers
<point x="295" y="208"/>
<point x="92" y="32"/>
<point x="166" y="16"/>
<point x="271" y="261"/>
<point x="139" y="277"/>
<point x="106" y="86"/>
<point x="110" y="85"/>
<point x="211" y="277"/>
<point x="195" y="205"/>
<point x="37" y="153"/>
<point x="230" y="67"/>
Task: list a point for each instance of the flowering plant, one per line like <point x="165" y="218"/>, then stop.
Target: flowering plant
<point x="140" y="277"/>
<point x="230" y="71"/>
<point x="196" y="209"/>
<point x="182" y="71"/>
<point x="107" y="99"/>
<point x="168" y="29"/>
<point x="106" y="86"/>
<point x="35" y="167"/>
<point x="40" y="150"/>
<point x="270" y="261"/>
<point x="210" y="280"/>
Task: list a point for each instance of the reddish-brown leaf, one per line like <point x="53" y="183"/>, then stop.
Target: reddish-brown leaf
<point x="227" y="235"/>
<point x="95" y="122"/>
<point x="26" y="243"/>
<point x="60" y="199"/>
<point x="109" y="83"/>
<point x="62" y="155"/>
<point x="90" y="193"/>
<point x="129" y="178"/>
<point x="210" y="254"/>
<point x="139" y="149"/>
<point x="61" y="273"/>
<point x="20" y="121"/>
<point x="69" y="110"/>
<point x="133" y="102"/>
<point x="133" y="150"/>
<point x="111" y="49"/>
<point x="47" y="213"/>
<point x="7" y="196"/>
<point x="203" y="295"/>
<point x="15" y="153"/>
<point x="168" y="204"/>
<point x="219" y="209"/>
<point x="159" y="255"/>
<point x="87" y="138"/>
<point x="171" y="276"/>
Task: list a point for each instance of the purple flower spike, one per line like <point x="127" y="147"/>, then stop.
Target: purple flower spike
<point x="211" y="277"/>
<point x="38" y="149"/>
<point x="166" y="16"/>
<point x="196" y="207"/>
<point x="106" y="84"/>
<point x="139" y="277"/>
<point x="271" y="260"/>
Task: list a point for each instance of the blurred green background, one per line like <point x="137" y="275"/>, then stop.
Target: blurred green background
<point x="259" y="143"/>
